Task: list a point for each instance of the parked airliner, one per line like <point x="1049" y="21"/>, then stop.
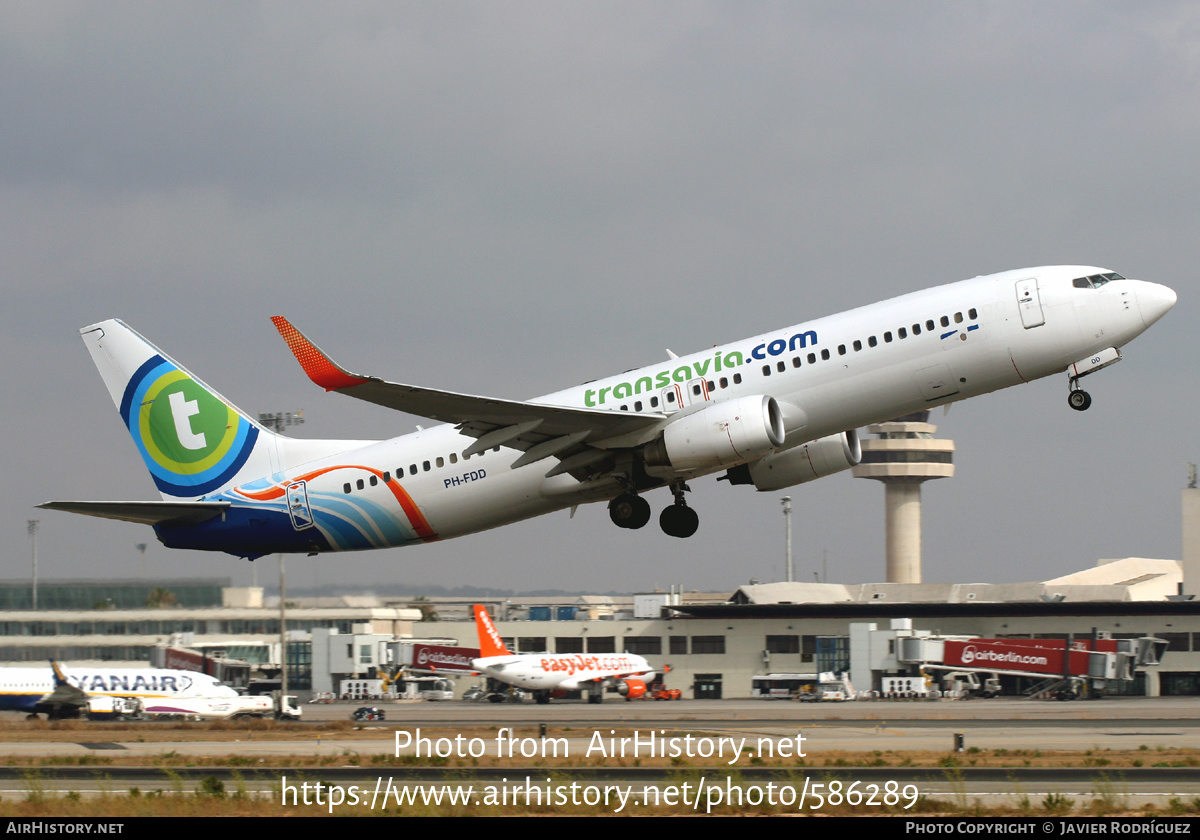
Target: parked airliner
<point x="58" y="694"/>
<point x="770" y="411"/>
<point x="547" y="673"/>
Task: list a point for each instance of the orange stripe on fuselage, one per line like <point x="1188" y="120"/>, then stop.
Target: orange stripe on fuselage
<point x="415" y="518"/>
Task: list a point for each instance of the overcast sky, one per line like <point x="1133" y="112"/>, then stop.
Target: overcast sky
<point x="511" y="198"/>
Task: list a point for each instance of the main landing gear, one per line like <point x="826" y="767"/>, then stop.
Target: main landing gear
<point x="678" y="520"/>
<point x="630" y="510"/>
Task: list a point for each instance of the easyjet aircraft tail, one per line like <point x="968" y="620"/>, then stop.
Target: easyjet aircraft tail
<point x="490" y="643"/>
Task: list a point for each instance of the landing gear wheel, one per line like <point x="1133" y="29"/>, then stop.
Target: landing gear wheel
<point x="629" y="511"/>
<point x="1079" y="400"/>
<point x="541" y="697"/>
<point x="678" y="521"/>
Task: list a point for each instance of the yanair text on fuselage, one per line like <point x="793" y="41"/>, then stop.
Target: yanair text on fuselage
<point x="720" y="360"/>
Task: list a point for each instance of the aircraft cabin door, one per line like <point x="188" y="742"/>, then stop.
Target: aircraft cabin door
<point x="670" y="399"/>
<point x="298" y="507"/>
<point x="696" y="391"/>
<point x="1030" y="303"/>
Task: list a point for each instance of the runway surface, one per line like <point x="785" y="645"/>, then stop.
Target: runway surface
<point x="721" y="738"/>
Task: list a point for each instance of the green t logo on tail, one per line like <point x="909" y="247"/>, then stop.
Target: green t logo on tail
<point x="191" y="440"/>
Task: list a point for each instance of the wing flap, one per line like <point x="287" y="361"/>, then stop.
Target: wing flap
<point x="501" y="436"/>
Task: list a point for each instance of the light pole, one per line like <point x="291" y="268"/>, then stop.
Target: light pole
<point x="283" y="683"/>
<point x="277" y="422"/>
<point x="33" y="529"/>
<point x="787" y="518"/>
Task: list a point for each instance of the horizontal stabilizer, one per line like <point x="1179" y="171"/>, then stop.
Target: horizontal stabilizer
<point x="147" y="513"/>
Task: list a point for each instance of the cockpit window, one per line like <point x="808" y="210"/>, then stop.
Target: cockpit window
<point x="1095" y="281"/>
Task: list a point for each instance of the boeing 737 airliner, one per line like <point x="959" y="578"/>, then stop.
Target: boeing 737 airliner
<point x="161" y="691"/>
<point x="772" y="411"/>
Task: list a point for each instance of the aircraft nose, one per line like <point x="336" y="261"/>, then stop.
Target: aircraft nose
<point x="1154" y="300"/>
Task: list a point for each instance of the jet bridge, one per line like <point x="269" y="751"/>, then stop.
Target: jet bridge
<point x="1068" y="667"/>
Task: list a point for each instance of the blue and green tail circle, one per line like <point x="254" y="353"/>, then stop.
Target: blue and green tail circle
<point x="192" y="441"/>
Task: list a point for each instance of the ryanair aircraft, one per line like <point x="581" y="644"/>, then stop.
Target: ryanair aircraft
<point x="159" y="691"/>
<point x="770" y="411"/>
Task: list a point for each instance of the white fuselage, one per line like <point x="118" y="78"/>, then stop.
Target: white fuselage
<point x="828" y="375"/>
<point x="22" y="688"/>
<point x="565" y="672"/>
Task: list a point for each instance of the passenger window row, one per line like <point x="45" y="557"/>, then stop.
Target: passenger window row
<point x="724" y="382"/>
<point x="426" y="466"/>
<point x="873" y="341"/>
<point x="901" y="333"/>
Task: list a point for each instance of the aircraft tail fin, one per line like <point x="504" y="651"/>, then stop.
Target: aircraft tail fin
<point x="60" y="679"/>
<point x="193" y="440"/>
<point x="490" y="643"/>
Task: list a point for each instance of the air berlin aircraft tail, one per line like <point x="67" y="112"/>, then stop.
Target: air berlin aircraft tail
<point x="490" y="643"/>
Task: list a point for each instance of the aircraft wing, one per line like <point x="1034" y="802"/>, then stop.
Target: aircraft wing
<point x="568" y="432"/>
<point x="146" y="513"/>
<point x="640" y="672"/>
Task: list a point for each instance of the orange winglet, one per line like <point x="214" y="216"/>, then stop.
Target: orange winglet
<point x="319" y="367"/>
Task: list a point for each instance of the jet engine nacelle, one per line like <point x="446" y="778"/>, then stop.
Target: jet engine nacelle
<point x="724" y="433"/>
<point x="631" y="689"/>
<point x="814" y="459"/>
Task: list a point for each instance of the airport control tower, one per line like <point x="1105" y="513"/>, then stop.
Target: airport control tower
<point x="904" y="455"/>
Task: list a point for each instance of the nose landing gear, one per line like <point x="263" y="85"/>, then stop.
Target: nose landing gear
<point x="1079" y="400"/>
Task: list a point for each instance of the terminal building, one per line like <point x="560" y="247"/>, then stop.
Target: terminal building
<point x="714" y="643"/>
<point x="715" y="647"/>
